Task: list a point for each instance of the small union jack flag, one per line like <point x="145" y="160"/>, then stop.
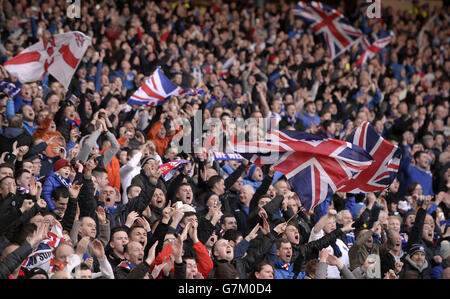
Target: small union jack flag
<point x="370" y="49"/>
<point x="330" y="25"/>
<point x="156" y="89"/>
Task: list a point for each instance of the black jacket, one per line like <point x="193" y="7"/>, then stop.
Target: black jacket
<point x="11" y="217"/>
<point x="387" y="262"/>
<point x="10" y="135"/>
<point x="137" y="204"/>
<point x="14" y="260"/>
<point x="256" y="253"/>
<point x="415" y="237"/>
<point x="302" y="253"/>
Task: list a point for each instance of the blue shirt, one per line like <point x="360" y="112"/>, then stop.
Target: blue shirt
<point x="308" y="120"/>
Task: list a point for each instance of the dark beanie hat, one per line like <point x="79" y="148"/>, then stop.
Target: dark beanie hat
<point x="416" y="248"/>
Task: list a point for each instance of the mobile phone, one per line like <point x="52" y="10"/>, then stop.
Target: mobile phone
<point x="179" y="205"/>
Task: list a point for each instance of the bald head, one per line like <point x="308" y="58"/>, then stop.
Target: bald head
<point x="63" y="253"/>
<point x="134" y="252"/>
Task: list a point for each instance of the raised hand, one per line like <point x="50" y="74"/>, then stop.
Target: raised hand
<point x="38" y="235"/>
<point x="177" y="249"/>
<point x="185" y="231"/>
<point x="90" y="262"/>
<point x="98" y="249"/>
<point x="157" y="269"/>
<point x="332" y="260"/>
<point x="41" y="203"/>
<point x="82" y="246"/>
<point x="144" y="223"/>
<point x="280" y="228"/>
<point x="131" y="218"/>
<point x="91" y="164"/>
<point x="74" y="190"/>
<point x="151" y="254"/>
<point x="348" y="227"/>
<point x="26" y="205"/>
<point x="323" y="255"/>
<point x="101" y="215"/>
<point x="253" y="233"/>
<point x="265" y="229"/>
<point x="376" y="228"/>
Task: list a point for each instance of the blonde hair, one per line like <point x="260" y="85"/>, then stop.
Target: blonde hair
<point x="395" y="217"/>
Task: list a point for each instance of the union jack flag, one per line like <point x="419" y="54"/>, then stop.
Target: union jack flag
<point x="371" y="49"/>
<point x="329" y="24"/>
<point x="385" y="166"/>
<point x="314" y="166"/>
<point x="156" y="89"/>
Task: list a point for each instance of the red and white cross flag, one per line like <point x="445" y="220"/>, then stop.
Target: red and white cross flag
<point x="58" y="56"/>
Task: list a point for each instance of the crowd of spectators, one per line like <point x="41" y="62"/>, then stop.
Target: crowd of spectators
<point x="81" y="190"/>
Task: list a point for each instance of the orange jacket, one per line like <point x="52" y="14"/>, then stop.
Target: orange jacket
<point x="113" y="167"/>
<point x="43" y="133"/>
<point x="160" y="143"/>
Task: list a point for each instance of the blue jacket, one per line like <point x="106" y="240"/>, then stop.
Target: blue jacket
<point x="436" y="271"/>
<point x="50" y="184"/>
<point x="282" y="273"/>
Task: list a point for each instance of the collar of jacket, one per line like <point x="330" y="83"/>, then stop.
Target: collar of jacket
<point x="279" y="264"/>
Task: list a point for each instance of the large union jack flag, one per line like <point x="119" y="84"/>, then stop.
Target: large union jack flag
<point x="371" y="49"/>
<point x="329" y="24"/>
<point x="385" y="166"/>
<point x="314" y="166"/>
<point x="156" y="89"/>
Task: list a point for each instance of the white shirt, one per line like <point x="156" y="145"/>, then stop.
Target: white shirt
<point x="333" y="271"/>
<point x="128" y="172"/>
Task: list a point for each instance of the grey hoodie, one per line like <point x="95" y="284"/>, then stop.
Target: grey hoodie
<point x="415" y="266"/>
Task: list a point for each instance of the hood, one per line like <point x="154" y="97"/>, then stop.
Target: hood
<point x="415" y="266"/>
<point x="12" y="132"/>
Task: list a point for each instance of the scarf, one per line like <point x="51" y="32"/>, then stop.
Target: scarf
<point x="76" y="123"/>
<point x="57" y="265"/>
<point x="337" y="251"/>
<point x="65" y="182"/>
<point x="23" y="190"/>
<point x="126" y="264"/>
<point x="291" y="120"/>
<point x="109" y="210"/>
